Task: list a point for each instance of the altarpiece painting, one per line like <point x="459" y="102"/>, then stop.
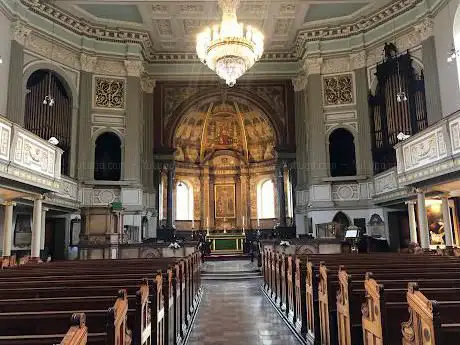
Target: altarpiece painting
<point x="225" y="201"/>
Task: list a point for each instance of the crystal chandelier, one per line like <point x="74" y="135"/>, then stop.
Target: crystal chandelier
<point x="230" y="48"/>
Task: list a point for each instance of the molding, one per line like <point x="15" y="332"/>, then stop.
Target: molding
<point x="312" y="65"/>
<point x="425" y="29"/>
<point x="300" y="82"/>
<point x="134" y="68"/>
<point x="20" y="32"/>
<point x="148" y="83"/>
<point x="87" y="62"/>
<point x="358" y="60"/>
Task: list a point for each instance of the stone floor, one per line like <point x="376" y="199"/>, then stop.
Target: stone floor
<point x="237" y="313"/>
<point x="229" y="266"/>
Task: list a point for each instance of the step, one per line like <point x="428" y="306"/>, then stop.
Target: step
<point x="231" y="275"/>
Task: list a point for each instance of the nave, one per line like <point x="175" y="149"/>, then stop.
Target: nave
<point x="234" y="312"/>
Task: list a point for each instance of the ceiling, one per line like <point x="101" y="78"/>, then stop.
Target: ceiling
<point x="173" y="25"/>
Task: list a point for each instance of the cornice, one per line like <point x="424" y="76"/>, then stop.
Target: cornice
<point x="327" y="33"/>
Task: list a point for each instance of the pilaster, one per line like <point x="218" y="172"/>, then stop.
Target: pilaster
<point x="300" y="83"/>
<point x="16" y="90"/>
<point x="147" y="85"/>
<point x="85" y="165"/>
<point x="132" y="154"/>
<point x="430" y="70"/>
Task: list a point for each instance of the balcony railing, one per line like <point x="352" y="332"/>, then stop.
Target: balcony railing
<point x="433" y="152"/>
<point x="26" y="158"/>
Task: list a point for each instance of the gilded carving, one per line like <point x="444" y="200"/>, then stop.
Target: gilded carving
<point x="109" y="93"/>
<point x="338" y="90"/>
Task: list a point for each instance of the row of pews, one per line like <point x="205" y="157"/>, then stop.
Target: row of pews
<point x="370" y="299"/>
<point x="100" y="302"/>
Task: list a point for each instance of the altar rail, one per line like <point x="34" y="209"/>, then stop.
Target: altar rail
<point x="26" y="158"/>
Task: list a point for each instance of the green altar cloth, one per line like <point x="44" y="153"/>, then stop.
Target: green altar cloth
<point x="226" y="243"/>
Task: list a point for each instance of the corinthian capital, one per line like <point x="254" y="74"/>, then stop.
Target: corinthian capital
<point x="19" y="32"/>
<point x="425" y="29"/>
<point x="300" y="82"/>
<point x="147" y="83"/>
<point x="87" y="63"/>
<point x="134" y="68"/>
<point x="313" y="65"/>
<point x="358" y="60"/>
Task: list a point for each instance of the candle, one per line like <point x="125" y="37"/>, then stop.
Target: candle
<point x="243" y="223"/>
<point x="258" y="222"/>
<point x="207" y="222"/>
<point x="193" y="223"/>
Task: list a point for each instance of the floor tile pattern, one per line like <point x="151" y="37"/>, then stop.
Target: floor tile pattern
<point x="237" y="313"/>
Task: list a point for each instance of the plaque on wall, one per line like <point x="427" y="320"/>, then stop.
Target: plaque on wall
<point x="23" y="230"/>
<point x="224" y="196"/>
<point x="75" y="227"/>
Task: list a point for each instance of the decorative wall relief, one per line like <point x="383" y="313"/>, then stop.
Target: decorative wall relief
<point x="5" y="137"/>
<point x="109" y="93"/>
<point x="33" y="155"/>
<point x="345" y="192"/>
<point x="338" y="90"/>
<point x="426" y="150"/>
<point x="385" y="182"/>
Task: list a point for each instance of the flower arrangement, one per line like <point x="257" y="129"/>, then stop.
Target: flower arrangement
<point x="285" y="244"/>
<point x="174" y="245"/>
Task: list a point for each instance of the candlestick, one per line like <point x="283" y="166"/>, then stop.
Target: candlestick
<point x="258" y="222"/>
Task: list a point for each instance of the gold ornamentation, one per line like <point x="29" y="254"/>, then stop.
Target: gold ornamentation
<point x="338" y="90"/>
<point x="109" y="93"/>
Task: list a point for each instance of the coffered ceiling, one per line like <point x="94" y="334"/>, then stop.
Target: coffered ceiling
<point x="172" y="25"/>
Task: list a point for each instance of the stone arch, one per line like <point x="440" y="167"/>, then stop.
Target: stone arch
<point x="97" y="135"/>
<point x="207" y="96"/>
<point x="341" y="221"/>
<point x="350" y="147"/>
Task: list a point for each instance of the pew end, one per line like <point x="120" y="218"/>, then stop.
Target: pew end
<point x="78" y="332"/>
<point x="372" y="312"/>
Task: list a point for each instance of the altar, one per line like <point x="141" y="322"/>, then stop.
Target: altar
<point x="225" y="243"/>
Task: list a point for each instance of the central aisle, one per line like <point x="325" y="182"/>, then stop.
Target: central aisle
<point x="235" y="312"/>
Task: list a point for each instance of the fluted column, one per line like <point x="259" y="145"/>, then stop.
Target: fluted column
<point x="169" y="192"/>
<point x="447" y="221"/>
<point x="16" y="93"/>
<point x="85" y="168"/>
<point x="430" y="70"/>
<point x="364" y="142"/>
<point x="132" y="154"/>
<point x="8" y="228"/>
<point x="36" y="229"/>
<point x="422" y="220"/>
<point x="281" y="195"/>
<point x="412" y="221"/>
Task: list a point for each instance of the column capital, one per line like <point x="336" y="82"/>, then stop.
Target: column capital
<point x="312" y="65"/>
<point x="148" y="83"/>
<point x="300" y="82"/>
<point x="20" y="32"/>
<point x="45" y="209"/>
<point x="358" y="60"/>
<point x="87" y="62"/>
<point x="445" y="195"/>
<point x="420" y="190"/>
<point x="134" y="68"/>
<point x="9" y="203"/>
<point x="425" y="29"/>
<point x="410" y="202"/>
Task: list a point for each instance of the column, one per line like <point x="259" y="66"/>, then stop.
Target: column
<point x="245" y="201"/>
<point x="412" y="222"/>
<point x="430" y="70"/>
<point x="211" y="202"/>
<point x="364" y="142"/>
<point x="281" y="195"/>
<point x="43" y="228"/>
<point x="422" y="220"/>
<point x="16" y="93"/>
<point x="148" y="85"/>
<point x="447" y="222"/>
<point x="85" y="168"/>
<point x="169" y="195"/>
<point x="36" y="229"/>
<point x="239" y="204"/>
<point x="317" y="163"/>
<point x="132" y="143"/>
<point x="8" y="228"/>
<point x="300" y="83"/>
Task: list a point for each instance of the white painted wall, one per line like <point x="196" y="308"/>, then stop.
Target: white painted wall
<point x="448" y="73"/>
<point x="5" y="47"/>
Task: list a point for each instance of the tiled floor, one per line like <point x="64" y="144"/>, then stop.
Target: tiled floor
<point x="237" y="313"/>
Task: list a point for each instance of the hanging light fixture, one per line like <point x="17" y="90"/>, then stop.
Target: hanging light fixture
<point x="49" y="99"/>
<point x="230" y="48"/>
<point x="401" y="95"/>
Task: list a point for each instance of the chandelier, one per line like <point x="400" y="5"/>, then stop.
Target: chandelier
<point x="230" y="48"/>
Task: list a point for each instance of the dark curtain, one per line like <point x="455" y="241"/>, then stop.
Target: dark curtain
<point x="107" y="165"/>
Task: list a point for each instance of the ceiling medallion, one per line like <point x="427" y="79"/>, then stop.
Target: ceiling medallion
<point x="230" y="48"/>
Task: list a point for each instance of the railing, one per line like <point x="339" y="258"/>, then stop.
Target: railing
<point x="430" y="153"/>
<point x="27" y="158"/>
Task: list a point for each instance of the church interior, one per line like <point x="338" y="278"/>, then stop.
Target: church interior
<point x="229" y="172"/>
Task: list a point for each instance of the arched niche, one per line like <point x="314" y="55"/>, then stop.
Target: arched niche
<point x="341" y="223"/>
<point x="48" y="111"/>
<point x="108" y="157"/>
<point x="342" y="153"/>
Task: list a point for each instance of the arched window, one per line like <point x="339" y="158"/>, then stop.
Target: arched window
<point x="266" y="200"/>
<point x="107" y="157"/>
<point x="47" y="119"/>
<point x="184" y="201"/>
<point x="342" y="153"/>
